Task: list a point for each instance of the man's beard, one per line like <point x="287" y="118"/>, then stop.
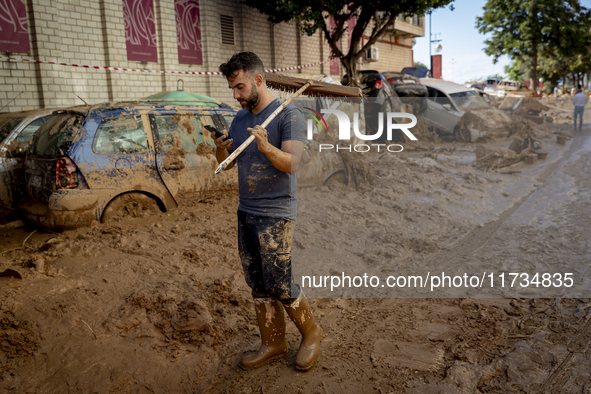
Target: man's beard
<point x="251" y="101"/>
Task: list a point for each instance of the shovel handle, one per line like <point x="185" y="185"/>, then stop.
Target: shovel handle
<point x="239" y="150"/>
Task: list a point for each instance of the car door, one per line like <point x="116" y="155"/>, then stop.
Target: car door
<point x="12" y="159"/>
<point x="443" y="118"/>
<point x="120" y="156"/>
<point x="185" y="153"/>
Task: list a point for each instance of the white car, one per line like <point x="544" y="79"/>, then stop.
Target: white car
<point x="448" y="102"/>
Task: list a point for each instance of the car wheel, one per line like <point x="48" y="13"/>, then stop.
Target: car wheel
<point x="129" y="205"/>
<point x="338" y="177"/>
<point x="461" y="135"/>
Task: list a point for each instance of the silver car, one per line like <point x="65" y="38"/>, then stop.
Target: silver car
<point x="448" y="102"/>
<point x="16" y="130"/>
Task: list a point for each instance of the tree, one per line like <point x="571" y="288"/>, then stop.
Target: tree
<point x="495" y="76"/>
<point x="421" y="65"/>
<point x="526" y="29"/>
<point x="372" y="18"/>
<point x="517" y="70"/>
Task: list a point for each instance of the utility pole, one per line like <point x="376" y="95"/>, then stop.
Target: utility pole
<point x="431" y="41"/>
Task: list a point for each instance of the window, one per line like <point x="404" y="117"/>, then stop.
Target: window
<point x="25" y="136"/>
<point x="415" y="20"/>
<point x="185" y="132"/>
<point x="121" y="135"/>
<point x="55" y="136"/>
<point x="469" y="100"/>
<point x="8" y="123"/>
<point x="227" y="25"/>
<point x="229" y="119"/>
<point x="438" y="96"/>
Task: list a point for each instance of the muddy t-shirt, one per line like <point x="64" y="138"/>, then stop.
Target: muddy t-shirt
<point x="265" y="190"/>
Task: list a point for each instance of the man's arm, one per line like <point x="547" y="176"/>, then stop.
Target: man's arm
<point x="286" y="159"/>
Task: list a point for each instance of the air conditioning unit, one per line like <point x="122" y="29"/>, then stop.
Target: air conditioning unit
<point x="372" y="54"/>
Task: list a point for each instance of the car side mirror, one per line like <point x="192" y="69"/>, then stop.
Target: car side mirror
<point x="447" y="106"/>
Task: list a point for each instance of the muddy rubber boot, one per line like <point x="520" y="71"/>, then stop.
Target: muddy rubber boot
<point x="271" y="321"/>
<point x="301" y="314"/>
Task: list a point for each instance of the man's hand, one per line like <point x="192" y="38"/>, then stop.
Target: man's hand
<point x="260" y="134"/>
<point x="224" y="148"/>
<point x="219" y="142"/>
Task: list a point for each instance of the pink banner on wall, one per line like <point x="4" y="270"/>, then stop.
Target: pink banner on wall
<point x="188" y="31"/>
<point x="334" y="63"/>
<point x="14" y="31"/>
<point x="140" y="30"/>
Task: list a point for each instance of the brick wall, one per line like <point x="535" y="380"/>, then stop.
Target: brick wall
<point x="92" y="32"/>
<point x="392" y="56"/>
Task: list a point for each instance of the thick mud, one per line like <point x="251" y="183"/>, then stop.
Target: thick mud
<point x="159" y="303"/>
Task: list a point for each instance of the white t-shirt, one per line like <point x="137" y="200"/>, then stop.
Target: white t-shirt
<point x="579" y="100"/>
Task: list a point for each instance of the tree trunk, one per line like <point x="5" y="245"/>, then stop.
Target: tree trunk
<point x="351" y="69"/>
<point x="534" y="68"/>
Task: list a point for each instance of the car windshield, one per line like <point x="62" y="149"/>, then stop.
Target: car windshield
<point x="7" y="123"/>
<point x="55" y="137"/>
<point x="469" y="100"/>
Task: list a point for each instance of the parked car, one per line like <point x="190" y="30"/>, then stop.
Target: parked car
<point x="418" y="72"/>
<point x="408" y="87"/>
<point x="98" y="162"/>
<point x="105" y="161"/>
<point x="448" y="102"/>
<point x="375" y="84"/>
<point x="477" y="86"/>
<point x="16" y="130"/>
<point x="490" y="86"/>
<point x="507" y="88"/>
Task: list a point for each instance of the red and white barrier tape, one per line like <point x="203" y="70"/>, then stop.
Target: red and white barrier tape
<point x="153" y="71"/>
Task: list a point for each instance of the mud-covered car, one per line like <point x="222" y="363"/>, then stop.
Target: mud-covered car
<point x="406" y="85"/>
<point x="456" y="110"/>
<point x="16" y="130"/>
<point x="102" y="162"/>
<point x="514" y="89"/>
<point x="490" y="86"/>
<point x="99" y="162"/>
<point x="376" y="85"/>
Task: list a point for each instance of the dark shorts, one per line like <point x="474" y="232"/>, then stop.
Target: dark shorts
<point x="264" y="245"/>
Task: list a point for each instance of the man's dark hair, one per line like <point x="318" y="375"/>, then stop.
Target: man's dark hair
<point x="247" y="61"/>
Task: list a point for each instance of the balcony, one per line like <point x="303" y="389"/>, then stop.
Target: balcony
<point x="410" y="27"/>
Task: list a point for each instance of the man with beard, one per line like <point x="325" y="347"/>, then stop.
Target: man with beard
<point x="267" y="209"/>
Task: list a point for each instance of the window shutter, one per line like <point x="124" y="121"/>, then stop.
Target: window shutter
<point x="227" y="24"/>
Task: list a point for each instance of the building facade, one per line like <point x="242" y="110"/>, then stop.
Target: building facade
<point x="177" y="35"/>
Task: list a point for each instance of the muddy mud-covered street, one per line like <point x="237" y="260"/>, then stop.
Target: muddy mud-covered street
<point x="159" y="304"/>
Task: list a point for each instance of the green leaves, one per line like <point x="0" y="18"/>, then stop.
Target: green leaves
<point x="526" y="30"/>
<point x="313" y="16"/>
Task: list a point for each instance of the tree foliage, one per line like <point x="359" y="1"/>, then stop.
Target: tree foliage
<point x="421" y="65"/>
<point x="313" y="15"/>
<point x="495" y="76"/>
<point x="528" y="29"/>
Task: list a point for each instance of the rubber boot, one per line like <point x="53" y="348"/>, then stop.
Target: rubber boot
<point x="271" y="321"/>
<point x="301" y="314"/>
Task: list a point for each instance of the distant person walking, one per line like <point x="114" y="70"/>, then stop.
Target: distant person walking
<point x="579" y="100"/>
